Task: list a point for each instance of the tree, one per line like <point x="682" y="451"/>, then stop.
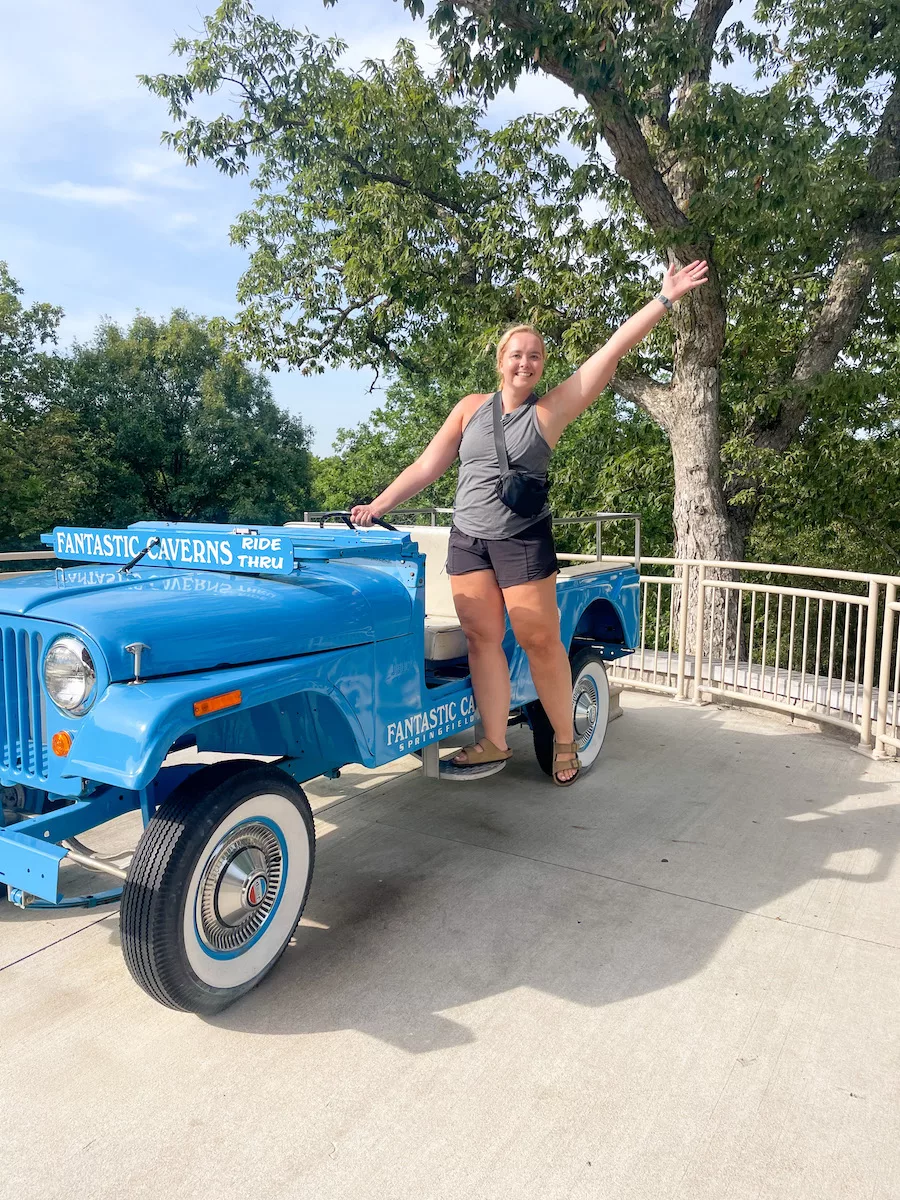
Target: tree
<point x="162" y="421"/>
<point x="391" y="222"/>
<point x="29" y="377"/>
<point x="180" y="429"/>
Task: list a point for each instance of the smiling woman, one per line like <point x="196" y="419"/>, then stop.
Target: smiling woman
<point x="501" y="556"/>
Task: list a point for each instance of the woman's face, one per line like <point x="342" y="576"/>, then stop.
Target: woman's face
<point x="522" y="362"/>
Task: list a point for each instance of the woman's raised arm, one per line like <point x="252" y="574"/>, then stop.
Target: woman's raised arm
<point x="569" y="399"/>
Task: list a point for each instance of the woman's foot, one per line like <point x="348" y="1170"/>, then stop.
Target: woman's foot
<point x="476" y="761"/>
<point x="481" y="752"/>
<point x="566" y="764"/>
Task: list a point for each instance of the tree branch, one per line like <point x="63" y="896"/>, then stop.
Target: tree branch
<point x="652" y="397"/>
<point x="705" y="21"/>
<point x="702" y="25"/>
<point x="621" y="130"/>
<point x="393" y="356"/>
<point x="342" y="315"/>
<point x="867" y="243"/>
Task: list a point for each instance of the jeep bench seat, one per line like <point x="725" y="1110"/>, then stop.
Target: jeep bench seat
<point x="444" y="638"/>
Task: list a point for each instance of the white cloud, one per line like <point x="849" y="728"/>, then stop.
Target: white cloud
<point x="88" y="193"/>
<point x="159" y="167"/>
<point x="181" y="220"/>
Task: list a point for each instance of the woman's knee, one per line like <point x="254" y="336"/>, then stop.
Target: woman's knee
<point x="539" y="639"/>
<point x="480" y="609"/>
<point x="481" y="629"/>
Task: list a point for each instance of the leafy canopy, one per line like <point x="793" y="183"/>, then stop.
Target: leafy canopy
<point x="395" y="227"/>
<point x="157" y="420"/>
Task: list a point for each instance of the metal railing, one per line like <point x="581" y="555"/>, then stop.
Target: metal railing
<point x="830" y="655"/>
<point x="17" y="556"/>
<point x="886" y="734"/>
<point x="803" y="650"/>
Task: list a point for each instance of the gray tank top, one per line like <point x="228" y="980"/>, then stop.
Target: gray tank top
<point x="478" y="510"/>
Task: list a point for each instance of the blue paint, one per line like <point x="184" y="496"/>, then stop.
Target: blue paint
<point x="321" y="631"/>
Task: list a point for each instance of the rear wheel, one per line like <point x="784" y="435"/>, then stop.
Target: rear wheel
<point x="590" y="713"/>
<point x="217" y="885"/>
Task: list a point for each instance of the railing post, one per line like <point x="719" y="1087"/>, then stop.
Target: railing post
<point x="698" y="629"/>
<point x="884" y="675"/>
<point x="865" y="726"/>
<point x="682" y="628"/>
<point x="637" y="544"/>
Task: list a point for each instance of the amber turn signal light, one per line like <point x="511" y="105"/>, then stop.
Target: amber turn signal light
<point x="61" y="743"/>
<point x="202" y="708"/>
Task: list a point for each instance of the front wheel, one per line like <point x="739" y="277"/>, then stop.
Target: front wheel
<point x="590" y="713"/>
<point x="217" y="885"/>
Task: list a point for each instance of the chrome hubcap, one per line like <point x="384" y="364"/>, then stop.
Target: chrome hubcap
<point x="239" y="887"/>
<point x="585" y="703"/>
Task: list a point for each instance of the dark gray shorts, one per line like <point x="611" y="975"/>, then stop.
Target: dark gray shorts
<point x="529" y="556"/>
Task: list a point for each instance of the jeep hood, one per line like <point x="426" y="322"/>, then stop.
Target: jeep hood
<point x="197" y="620"/>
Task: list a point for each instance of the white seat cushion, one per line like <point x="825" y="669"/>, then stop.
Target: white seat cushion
<point x="432" y="542"/>
<point x="444" y="639"/>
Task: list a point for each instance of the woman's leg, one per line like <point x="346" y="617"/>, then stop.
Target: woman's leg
<point x="534" y="617"/>
<point x="479" y="605"/>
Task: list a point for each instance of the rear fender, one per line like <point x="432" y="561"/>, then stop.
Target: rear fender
<point x="602" y="607"/>
<point x="600" y="622"/>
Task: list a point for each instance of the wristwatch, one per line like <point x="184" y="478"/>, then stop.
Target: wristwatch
<point x="664" y="301"/>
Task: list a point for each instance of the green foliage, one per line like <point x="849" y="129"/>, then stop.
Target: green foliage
<point x="387" y="213"/>
<point x="159" y="420"/>
<point x="184" y="430"/>
<point x="29" y="377"/>
<point x="395" y="227"/>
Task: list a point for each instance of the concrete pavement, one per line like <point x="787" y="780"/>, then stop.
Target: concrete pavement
<point x="679" y="979"/>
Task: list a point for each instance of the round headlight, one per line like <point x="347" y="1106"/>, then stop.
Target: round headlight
<point x="69" y="675"/>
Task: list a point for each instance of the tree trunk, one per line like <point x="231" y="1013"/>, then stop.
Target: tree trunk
<point x="703" y="526"/>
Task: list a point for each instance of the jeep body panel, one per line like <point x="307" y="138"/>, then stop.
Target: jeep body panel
<point x="202" y="620"/>
<point x="316" y="638"/>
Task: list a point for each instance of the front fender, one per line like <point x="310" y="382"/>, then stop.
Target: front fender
<point x="127" y="735"/>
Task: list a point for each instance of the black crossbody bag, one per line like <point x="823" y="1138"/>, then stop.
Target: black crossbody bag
<point x="521" y="491"/>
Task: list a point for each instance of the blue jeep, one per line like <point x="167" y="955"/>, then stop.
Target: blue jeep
<point x="319" y="646"/>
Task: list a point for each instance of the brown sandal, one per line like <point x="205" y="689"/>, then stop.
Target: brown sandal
<point x="477" y="758"/>
<point x="565" y="759"/>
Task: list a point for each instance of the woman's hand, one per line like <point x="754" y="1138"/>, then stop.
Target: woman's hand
<point x="365" y="515"/>
<point x="676" y="283"/>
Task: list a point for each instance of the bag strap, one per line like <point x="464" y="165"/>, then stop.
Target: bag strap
<point x="499" y="439"/>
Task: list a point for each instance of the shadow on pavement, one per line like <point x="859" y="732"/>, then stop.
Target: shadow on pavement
<point x="430" y="897"/>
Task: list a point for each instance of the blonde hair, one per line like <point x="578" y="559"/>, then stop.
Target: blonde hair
<point x="509" y="333"/>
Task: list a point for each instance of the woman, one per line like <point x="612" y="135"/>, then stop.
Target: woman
<point x="500" y="562"/>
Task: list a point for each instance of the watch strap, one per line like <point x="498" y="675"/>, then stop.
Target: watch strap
<point x="664" y="301"/>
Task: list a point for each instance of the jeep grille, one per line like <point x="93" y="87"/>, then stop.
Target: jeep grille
<point x="23" y="754"/>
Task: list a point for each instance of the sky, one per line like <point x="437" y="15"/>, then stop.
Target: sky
<point x="98" y="217"/>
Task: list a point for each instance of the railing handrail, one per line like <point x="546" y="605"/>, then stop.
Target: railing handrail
<point x="874" y="701"/>
<point x="762" y="568"/>
<point x="820" y="644"/>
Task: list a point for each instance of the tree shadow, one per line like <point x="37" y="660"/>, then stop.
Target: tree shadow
<point x="434" y="896"/>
